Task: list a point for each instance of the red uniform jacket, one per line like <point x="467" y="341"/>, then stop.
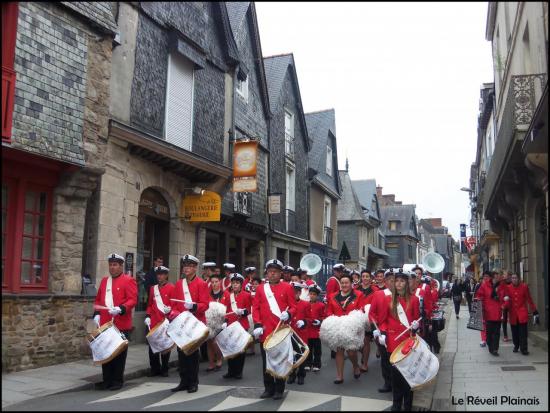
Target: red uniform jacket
<point x="424" y="291"/>
<point x="244" y="301"/>
<point x="316" y="312"/>
<point x="393" y="326"/>
<point x="368" y="294"/>
<point x="333" y="286"/>
<point x="219" y="297"/>
<point x="519" y="298"/>
<point x="261" y="313"/>
<point x="226" y="283"/>
<point x="199" y="295"/>
<point x="435" y="297"/>
<point x="124" y="296"/>
<point x="302" y="313"/>
<point x="354" y="302"/>
<point x="379" y="302"/>
<point x="166" y="292"/>
<point x="310" y="282"/>
<point x="492" y="309"/>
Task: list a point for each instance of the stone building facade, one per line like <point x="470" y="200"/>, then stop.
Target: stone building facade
<point x="56" y="60"/>
<point x="288" y="162"/>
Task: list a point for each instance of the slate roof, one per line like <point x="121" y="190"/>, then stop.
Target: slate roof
<point x="349" y="207"/>
<point x="402" y="213"/>
<point x="366" y="192"/>
<point x="98" y="12"/>
<point x="275" y="72"/>
<point x="236" y="10"/>
<point x="319" y="124"/>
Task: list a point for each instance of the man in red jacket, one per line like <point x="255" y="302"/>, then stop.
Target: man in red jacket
<point x="518" y="298"/>
<point x="118" y="292"/>
<point x="491" y="293"/>
<point x="274" y="301"/>
<point x="194" y="292"/>
<point x="158" y="307"/>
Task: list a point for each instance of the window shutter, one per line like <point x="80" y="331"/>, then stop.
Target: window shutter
<point x="179" y="102"/>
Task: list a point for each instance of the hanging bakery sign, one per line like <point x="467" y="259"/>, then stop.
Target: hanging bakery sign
<point x="245" y="160"/>
<point x="202" y="208"/>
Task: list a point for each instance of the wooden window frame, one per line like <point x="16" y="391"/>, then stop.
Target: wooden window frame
<point x="10" y="13"/>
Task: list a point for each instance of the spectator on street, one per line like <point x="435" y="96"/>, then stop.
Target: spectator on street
<point x="151" y="276"/>
<point x="456" y="293"/>
<point x="505" y="280"/>
<point x="468" y="288"/>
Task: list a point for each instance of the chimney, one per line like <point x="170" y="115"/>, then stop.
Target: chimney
<point x="435" y="222"/>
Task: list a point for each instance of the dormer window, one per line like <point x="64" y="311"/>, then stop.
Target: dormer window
<point x="242" y="89"/>
<point x="329" y="161"/>
<point x="393" y="225"/>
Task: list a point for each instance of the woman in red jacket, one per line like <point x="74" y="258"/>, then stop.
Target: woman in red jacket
<point x="519" y="297"/>
<point x="339" y="304"/>
<point x="403" y="311"/>
<point x="492" y="293"/>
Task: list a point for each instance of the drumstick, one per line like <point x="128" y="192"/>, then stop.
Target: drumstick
<point x="280" y="321"/>
<point x="182" y="301"/>
<point x="101" y="307"/>
<point x="408" y="328"/>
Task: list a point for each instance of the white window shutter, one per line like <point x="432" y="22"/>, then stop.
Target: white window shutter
<point x="179" y="102"/>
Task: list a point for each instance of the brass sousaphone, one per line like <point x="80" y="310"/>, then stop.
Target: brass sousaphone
<point x="312" y="263"/>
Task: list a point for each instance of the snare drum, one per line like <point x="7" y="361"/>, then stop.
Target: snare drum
<point x="284" y="351"/>
<point x="159" y="340"/>
<point x="415" y="362"/>
<point x="106" y="343"/>
<point x="438" y="321"/>
<point x="233" y="340"/>
<point x="187" y="332"/>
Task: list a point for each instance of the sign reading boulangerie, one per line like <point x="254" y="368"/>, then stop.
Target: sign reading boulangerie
<point x="245" y="160"/>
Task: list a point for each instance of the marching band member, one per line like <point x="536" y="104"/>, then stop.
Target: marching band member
<point x="118" y="292"/>
<point x="305" y="277"/>
<point x="506" y="280"/>
<point x="379" y="280"/>
<point x="194" y="291"/>
<point x="215" y="357"/>
<point x="483" y="333"/>
<point x="207" y="270"/>
<point x="316" y="316"/>
<point x="288" y="271"/>
<point x="341" y="303"/>
<point x="333" y="283"/>
<point x="424" y="294"/>
<point x="403" y="311"/>
<point x="299" y="324"/>
<point x="158" y="307"/>
<point x="274" y="302"/>
<point x="368" y="293"/>
<point x="378" y="304"/>
<point x="228" y="270"/>
<point x="432" y="338"/>
<point x="491" y="293"/>
<point x="519" y="296"/>
<point x="252" y="288"/>
<point x="249" y="274"/>
<point x="238" y="302"/>
<point x="356" y="278"/>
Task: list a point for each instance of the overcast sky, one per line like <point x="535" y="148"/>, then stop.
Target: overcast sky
<point x="404" y="80"/>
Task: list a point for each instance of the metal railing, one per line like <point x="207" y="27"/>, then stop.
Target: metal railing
<point x="290" y="221"/>
<point x="242" y="203"/>
<point x="327" y="236"/>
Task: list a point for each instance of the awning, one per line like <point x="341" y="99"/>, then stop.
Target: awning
<point x="378" y="251"/>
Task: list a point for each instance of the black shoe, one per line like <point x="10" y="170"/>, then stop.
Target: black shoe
<point x="180" y="387"/>
<point x="277" y="396"/>
<point x="291" y="379"/>
<point x="338" y="381"/>
<point x="266" y="394"/>
<point x="116" y="386"/>
<point x="164" y="374"/>
<point x="515" y="350"/>
<point x="227" y="376"/>
<point x="238" y="376"/>
<point x="103" y="386"/>
<point x="494" y="353"/>
<point x="395" y="408"/>
<point x="525" y="353"/>
<point x="192" y="389"/>
<point x="385" y="389"/>
<point x="153" y="373"/>
<point x="300" y="380"/>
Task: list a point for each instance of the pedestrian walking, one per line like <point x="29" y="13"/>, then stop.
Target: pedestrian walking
<point x="483" y="333"/>
<point x="193" y="291"/>
<point x="274" y="302"/>
<point x="456" y="293"/>
<point x="519" y="298"/>
<point x="158" y="307"/>
<point x="118" y="293"/>
<point x="401" y="309"/>
<point x="239" y="303"/>
<point x="469" y="286"/>
<point x="505" y="280"/>
<point x="492" y="293"/>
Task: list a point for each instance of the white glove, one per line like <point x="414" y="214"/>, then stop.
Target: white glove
<point x="147" y="322"/>
<point x="258" y="332"/>
<point x="188" y="305"/>
<point x="285" y="316"/>
<point x="300" y="323"/>
<point x="96" y="319"/>
<point x="415" y="324"/>
<point x="239" y="311"/>
<point x="382" y="340"/>
<point x="535" y="319"/>
<point x="115" y="311"/>
<point x="506" y="298"/>
<point x="376" y="333"/>
<point x="167" y="309"/>
<point x="316" y="322"/>
<point x="224" y="326"/>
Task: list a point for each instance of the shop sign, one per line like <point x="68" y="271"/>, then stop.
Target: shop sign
<point x="245" y="160"/>
<point x="275" y="204"/>
<point x="202" y="208"/>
